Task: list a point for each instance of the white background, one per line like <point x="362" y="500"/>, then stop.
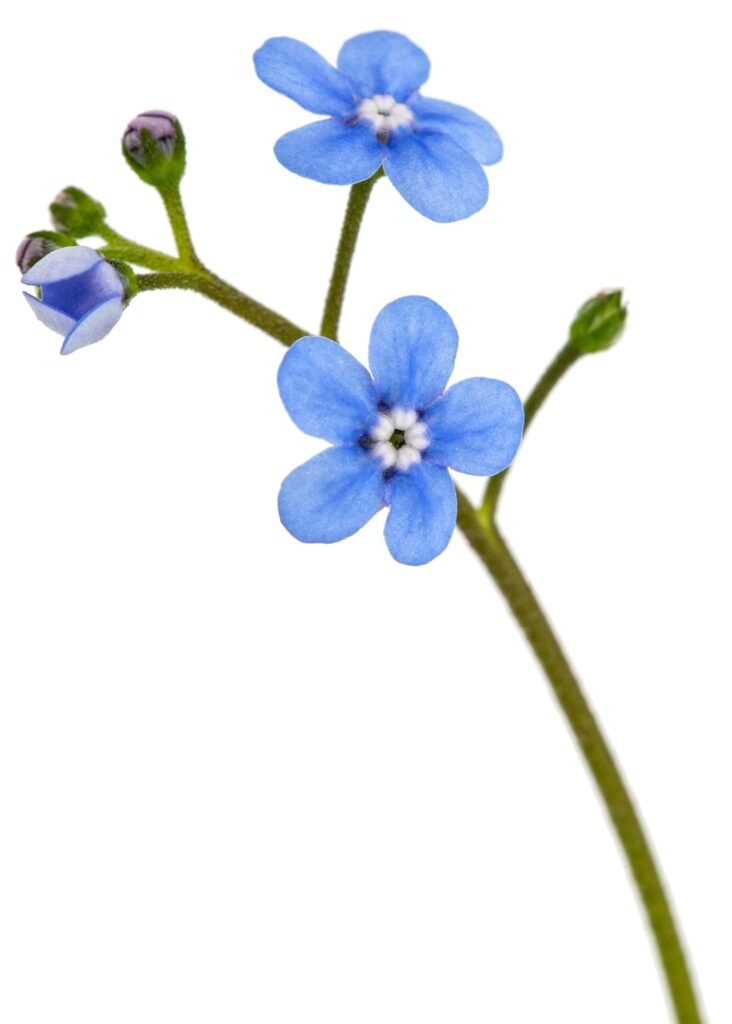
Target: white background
<point x="244" y="779"/>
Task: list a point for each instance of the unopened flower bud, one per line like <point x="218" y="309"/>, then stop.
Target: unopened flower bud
<point x="38" y="244"/>
<point x="599" y="323"/>
<point x="76" y="213"/>
<point x="154" y="146"/>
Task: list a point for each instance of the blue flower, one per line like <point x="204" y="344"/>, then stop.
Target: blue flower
<point x="394" y="434"/>
<point x="82" y="295"/>
<point x="431" y="150"/>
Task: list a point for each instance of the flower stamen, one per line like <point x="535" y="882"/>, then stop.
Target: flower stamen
<point x="385" y="114"/>
<point x="398" y="439"/>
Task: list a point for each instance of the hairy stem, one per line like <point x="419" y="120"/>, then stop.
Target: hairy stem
<point x="357" y="200"/>
<point x="219" y="291"/>
<point x="489" y="545"/>
<point x="177" y="216"/>
<point x="565" y="358"/>
<point x="120" y="248"/>
<point x="483" y="534"/>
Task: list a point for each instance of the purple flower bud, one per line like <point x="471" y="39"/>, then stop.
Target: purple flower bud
<point x="155" y="148"/>
<point x="82" y="295"/>
<point x="163" y="129"/>
<point x="37" y="245"/>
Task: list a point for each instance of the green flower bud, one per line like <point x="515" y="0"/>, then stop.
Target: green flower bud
<point x="38" y="244"/>
<point x="599" y="323"/>
<point x="76" y="213"/>
<point x="154" y="146"/>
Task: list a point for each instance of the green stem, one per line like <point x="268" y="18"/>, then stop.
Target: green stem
<point x="481" y="531"/>
<point x="177" y="217"/>
<point x="219" y="291"/>
<point x="357" y="200"/>
<point x="486" y="540"/>
<point x="565" y="358"/>
<point x="120" y="248"/>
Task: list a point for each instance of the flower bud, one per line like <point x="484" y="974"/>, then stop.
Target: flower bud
<point x="76" y="213"/>
<point x="38" y="244"/>
<point x="82" y="295"/>
<point x="154" y="146"/>
<point x="599" y="323"/>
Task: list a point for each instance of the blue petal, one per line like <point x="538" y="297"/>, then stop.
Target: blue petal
<point x="299" y="72"/>
<point x="412" y="351"/>
<point x="331" y="496"/>
<point x="476" y="426"/>
<point x="384" y="63"/>
<point x="422" y="515"/>
<point x="435" y="175"/>
<point x="331" y="152"/>
<point x="326" y="391"/>
<point x="473" y="133"/>
<point x="68" y="261"/>
<point x="94" y="326"/>
<point x="78" y="294"/>
<point x="48" y="315"/>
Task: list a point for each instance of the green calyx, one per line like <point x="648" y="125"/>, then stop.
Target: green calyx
<point x="76" y="213"/>
<point x="599" y="323"/>
<point x="128" y="277"/>
<point x="56" y="239"/>
<point x="153" y="165"/>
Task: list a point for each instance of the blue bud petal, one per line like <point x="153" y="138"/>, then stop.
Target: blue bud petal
<point x="422" y="514"/>
<point x="435" y="175"/>
<point x="331" y="152"/>
<point x="326" y="391"/>
<point x="78" y="294"/>
<point x="412" y="351"/>
<point x="476" y="426"/>
<point x="50" y="316"/>
<point x="384" y="63"/>
<point x="297" y="71"/>
<point x="476" y="135"/>
<point x="62" y="263"/>
<point x="331" y="496"/>
<point x="97" y="323"/>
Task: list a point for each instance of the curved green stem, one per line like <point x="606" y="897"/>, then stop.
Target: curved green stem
<point x="565" y="358"/>
<point x="481" y="531"/>
<point x="219" y="291"/>
<point x="177" y="216"/>
<point x="487" y="542"/>
<point x="357" y="200"/>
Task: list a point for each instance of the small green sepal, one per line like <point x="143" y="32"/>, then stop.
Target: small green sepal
<point x="599" y="323"/>
<point x="128" y="277"/>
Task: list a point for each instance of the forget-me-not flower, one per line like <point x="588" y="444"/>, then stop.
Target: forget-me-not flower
<point x="82" y="295"/>
<point x="431" y="150"/>
<point x="394" y="433"/>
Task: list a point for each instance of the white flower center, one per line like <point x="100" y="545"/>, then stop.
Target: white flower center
<point x="399" y="438"/>
<point x="385" y="114"/>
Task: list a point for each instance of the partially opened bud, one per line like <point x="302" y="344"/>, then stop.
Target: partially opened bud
<point x="38" y="244"/>
<point x="82" y="295"/>
<point x="76" y="213"/>
<point x="154" y="147"/>
<point x="599" y="323"/>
